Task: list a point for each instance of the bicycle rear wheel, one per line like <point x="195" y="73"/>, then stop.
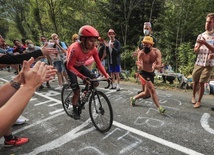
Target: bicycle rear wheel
<point x="66" y="96"/>
<point x="100" y="111"/>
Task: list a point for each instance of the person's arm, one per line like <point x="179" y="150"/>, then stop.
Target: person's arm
<point x="158" y="63"/>
<point x="8" y="90"/>
<point x="204" y="42"/>
<point x="99" y="64"/>
<point x="18" y="59"/>
<point x="116" y="47"/>
<point x="197" y="44"/>
<point x="61" y="48"/>
<point x="11" y="110"/>
<point x="139" y="62"/>
<point x="104" y="53"/>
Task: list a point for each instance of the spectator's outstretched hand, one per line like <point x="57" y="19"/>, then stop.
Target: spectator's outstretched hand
<point x="47" y="50"/>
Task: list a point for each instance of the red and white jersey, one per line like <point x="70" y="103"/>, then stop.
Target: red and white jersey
<point x="75" y="57"/>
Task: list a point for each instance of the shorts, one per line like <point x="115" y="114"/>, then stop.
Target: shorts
<point x="73" y="77"/>
<point x="201" y="74"/>
<point x="114" y="69"/>
<point x="148" y="76"/>
<point x="59" y="65"/>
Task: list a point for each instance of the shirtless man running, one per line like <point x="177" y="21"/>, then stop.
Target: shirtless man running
<point x="148" y="60"/>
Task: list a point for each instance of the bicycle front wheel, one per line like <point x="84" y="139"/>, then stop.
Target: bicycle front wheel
<point x="66" y="96"/>
<point x="100" y="111"/>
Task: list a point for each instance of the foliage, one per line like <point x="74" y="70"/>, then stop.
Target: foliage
<point x="186" y="57"/>
<point x="175" y="23"/>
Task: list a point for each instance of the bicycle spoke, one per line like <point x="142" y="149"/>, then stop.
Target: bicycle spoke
<point x="66" y="95"/>
<point x="101" y="112"/>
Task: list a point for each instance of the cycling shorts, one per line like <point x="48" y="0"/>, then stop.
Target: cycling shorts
<point x="73" y="78"/>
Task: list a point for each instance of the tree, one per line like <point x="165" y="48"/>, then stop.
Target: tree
<point x="179" y="25"/>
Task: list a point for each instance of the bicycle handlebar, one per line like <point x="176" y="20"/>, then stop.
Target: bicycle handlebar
<point x="109" y="81"/>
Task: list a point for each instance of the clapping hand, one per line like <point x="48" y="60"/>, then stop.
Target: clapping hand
<point x="34" y="77"/>
<point x="201" y="41"/>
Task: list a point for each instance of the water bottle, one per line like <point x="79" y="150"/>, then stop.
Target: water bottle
<point x="86" y="95"/>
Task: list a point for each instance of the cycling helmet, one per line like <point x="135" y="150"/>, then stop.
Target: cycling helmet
<point x="88" y="31"/>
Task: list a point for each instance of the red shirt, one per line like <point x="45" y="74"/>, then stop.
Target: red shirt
<point x="76" y="57"/>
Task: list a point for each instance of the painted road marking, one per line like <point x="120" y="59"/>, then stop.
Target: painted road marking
<point x="73" y="134"/>
<point x="157" y="139"/>
<point x="145" y="135"/>
<point x="204" y="123"/>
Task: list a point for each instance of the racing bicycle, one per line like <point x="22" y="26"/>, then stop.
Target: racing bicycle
<point x="100" y="109"/>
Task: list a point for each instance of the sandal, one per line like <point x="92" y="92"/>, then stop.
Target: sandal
<point x="197" y="105"/>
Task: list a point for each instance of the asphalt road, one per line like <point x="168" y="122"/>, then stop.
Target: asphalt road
<point x="139" y="130"/>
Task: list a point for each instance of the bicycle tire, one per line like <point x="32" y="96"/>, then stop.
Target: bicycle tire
<point x="66" y="95"/>
<point x="100" y="111"/>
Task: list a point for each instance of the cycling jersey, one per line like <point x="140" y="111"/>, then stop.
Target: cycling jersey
<point x="75" y="58"/>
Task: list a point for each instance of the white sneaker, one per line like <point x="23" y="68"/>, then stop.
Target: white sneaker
<point x="118" y="88"/>
<point x="58" y="88"/>
<point x="20" y="121"/>
<point x="101" y="78"/>
<point x="65" y="83"/>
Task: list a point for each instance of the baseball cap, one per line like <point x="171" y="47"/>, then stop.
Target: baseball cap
<point x="111" y="31"/>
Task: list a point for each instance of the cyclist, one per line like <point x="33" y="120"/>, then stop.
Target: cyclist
<point x="77" y="54"/>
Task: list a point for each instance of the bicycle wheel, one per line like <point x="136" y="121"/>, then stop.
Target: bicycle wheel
<point x="100" y="111"/>
<point x="66" y="95"/>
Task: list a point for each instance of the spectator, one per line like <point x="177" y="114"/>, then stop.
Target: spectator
<point x="21" y="89"/>
<point x="74" y="38"/>
<point x="30" y="47"/>
<point x="18" y="47"/>
<point x="102" y="53"/>
<point x="43" y="40"/>
<point x="18" y="59"/>
<point x="148" y="60"/>
<point x="58" y="61"/>
<point x="147" y="31"/>
<point x="204" y="47"/>
<point x="114" y="59"/>
<point x="167" y="69"/>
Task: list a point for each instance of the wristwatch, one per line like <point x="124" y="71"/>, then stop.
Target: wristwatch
<point x="15" y="85"/>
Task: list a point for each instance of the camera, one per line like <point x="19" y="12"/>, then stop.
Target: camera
<point x="51" y="45"/>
